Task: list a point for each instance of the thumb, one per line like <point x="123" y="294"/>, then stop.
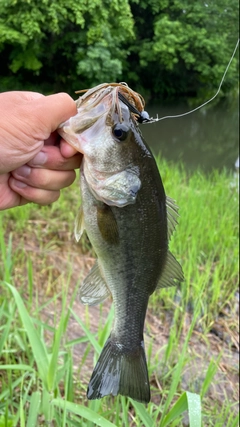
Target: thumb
<point x="54" y="109"/>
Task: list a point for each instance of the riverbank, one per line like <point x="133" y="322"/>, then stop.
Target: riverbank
<point x="198" y="321"/>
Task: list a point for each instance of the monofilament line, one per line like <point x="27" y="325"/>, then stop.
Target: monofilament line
<point x="205" y="103"/>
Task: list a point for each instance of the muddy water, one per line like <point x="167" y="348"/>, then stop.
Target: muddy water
<point x="207" y="138"/>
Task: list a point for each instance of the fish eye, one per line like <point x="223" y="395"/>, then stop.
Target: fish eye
<point x="120" y="131"/>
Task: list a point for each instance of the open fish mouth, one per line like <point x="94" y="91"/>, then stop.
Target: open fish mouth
<point x="100" y="105"/>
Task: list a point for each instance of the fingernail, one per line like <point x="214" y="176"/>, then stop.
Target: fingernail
<point x="23" y="171"/>
<point x="39" y="159"/>
<point x="19" y="184"/>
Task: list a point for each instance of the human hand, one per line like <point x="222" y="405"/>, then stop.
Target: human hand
<point x="35" y="163"/>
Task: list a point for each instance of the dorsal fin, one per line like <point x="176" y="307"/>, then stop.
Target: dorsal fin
<point x="172" y="272"/>
<point x="172" y="215"/>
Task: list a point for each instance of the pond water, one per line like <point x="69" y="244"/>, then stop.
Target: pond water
<point x="206" y="139"/>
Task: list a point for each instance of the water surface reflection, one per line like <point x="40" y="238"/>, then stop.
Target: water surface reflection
<point x="207" y="138"/>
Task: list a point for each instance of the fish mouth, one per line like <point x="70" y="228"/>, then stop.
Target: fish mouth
<point x="109" y="102"/>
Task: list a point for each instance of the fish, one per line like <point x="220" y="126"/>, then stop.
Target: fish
<point x="129" y="221"/>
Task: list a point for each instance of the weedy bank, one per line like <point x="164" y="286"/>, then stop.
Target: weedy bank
<point x="49" y="341"/>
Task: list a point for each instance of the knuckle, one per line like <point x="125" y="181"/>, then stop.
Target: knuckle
<point x="48" y="198"/>
<point x="71" y="178"/>
<point x="61" y="163"/>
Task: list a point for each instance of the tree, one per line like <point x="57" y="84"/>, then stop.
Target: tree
<point x="184" y="46"/>
<point x="58" y="44"/>
<point x="164" y="49"/>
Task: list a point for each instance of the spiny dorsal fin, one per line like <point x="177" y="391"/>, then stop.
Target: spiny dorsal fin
<point x="79" y="224"/>
<point x="172" y="214"/>
<point x="172" y="273"/>
<point x="94" y="289"/>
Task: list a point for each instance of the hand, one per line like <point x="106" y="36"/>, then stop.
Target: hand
<point x="35" y="163"/>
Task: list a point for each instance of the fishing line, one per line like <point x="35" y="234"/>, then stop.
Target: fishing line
<point x="152" y="120"/>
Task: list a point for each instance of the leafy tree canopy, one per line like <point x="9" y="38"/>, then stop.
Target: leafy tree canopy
<point x="187" y="45"/>
<point x="165" y="49"/>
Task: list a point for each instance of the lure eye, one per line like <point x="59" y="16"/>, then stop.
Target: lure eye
<point x="120" y="131"/>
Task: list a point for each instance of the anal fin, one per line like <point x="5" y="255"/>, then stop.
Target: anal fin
<point x="79" y="224"/>
<point x="172" y="272"/>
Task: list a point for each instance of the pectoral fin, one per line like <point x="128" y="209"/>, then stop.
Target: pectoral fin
<point x="118" y="190"/>
<point x="172" y="273"/>
<point x="79" y="225"/>
<point x="94" y="289"/>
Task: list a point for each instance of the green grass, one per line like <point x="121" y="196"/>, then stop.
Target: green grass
<point x="42" y="379"/>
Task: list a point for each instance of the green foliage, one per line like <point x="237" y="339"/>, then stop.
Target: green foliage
<point x="63" y="43"/>
<point x="185" y="46"/>
<point x="166" y="49"/>
<point x="47" y="402"/>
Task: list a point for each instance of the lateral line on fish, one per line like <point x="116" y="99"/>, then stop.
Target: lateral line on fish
<point x="157" y="119"/>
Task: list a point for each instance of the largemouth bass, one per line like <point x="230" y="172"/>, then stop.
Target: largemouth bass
<point x="129" y="221"/>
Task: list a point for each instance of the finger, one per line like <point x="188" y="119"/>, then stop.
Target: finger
<point x="13" y="201"/>
<point x="45" y="179"/>
<point x="50" y="157"/>
<point x="31" y="194"/>
<point x="8" y="198"/>
<point x="66" y="149"/>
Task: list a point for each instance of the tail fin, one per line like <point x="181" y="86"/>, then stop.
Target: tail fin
<point x="119" y="371"/>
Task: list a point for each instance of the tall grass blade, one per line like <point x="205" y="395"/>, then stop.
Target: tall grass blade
<point x="194" y="409"/>
<point x="20" y="367"/>
<point x="235" y="422"/>
<point x="34" y="409"/>
<point x="38" y="348"/>
<point x="5" y="422"/>
<point x="26" y="385"/>
<point x="5" y="333"/>
<point x="88" y="333"/>
<point x="178" y="408"/>
<point x="187" y="401"/>
<point x="212" y="369"/>
<point x="104" y="332"/>
<point x="179" y="366"/>
<point x="142" y="413"/>
<point x="22" y="415"/>
<point x="46" y="408"/>
<point x="53" y="364"/>
<point x="7" y="391"/>
<point x="83" y="411"/>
